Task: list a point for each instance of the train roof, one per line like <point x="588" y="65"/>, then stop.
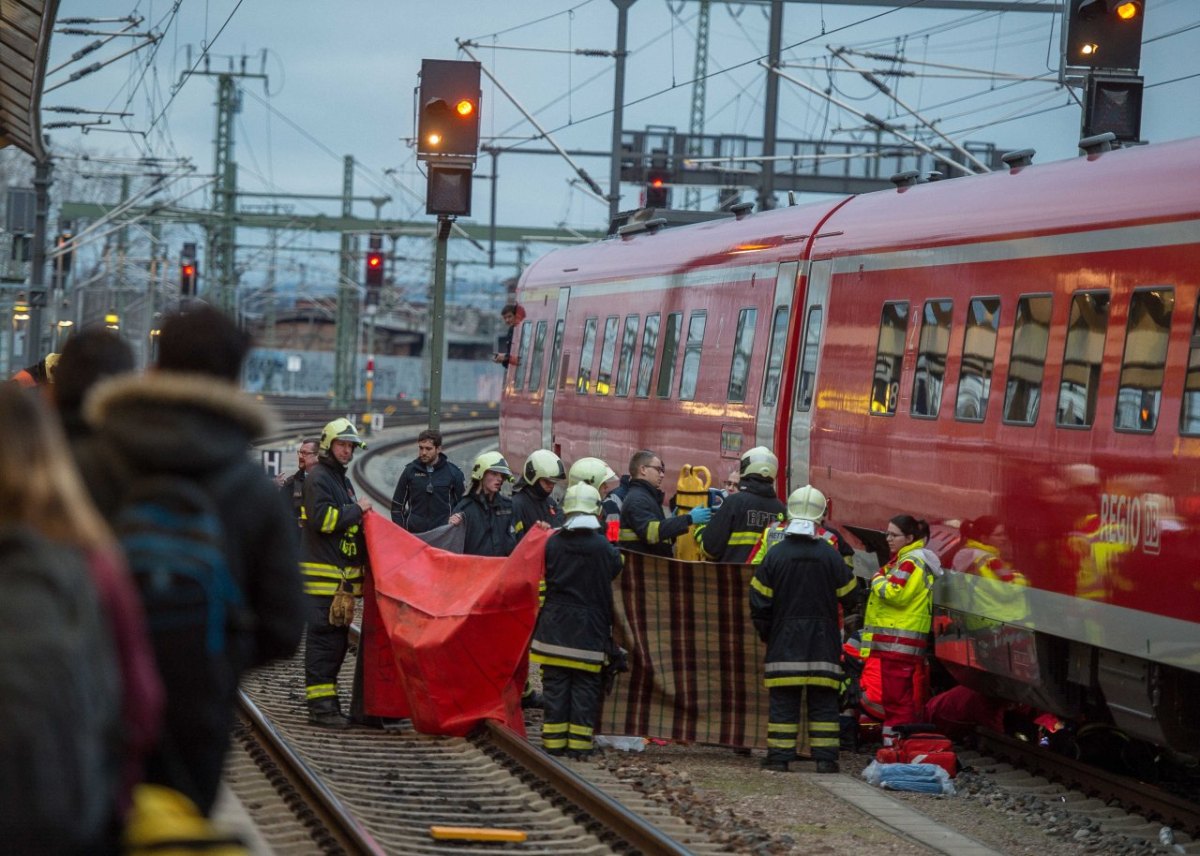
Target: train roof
<point x="1131" y="186"/>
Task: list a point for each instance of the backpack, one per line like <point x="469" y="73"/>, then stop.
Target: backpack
<point x="60" y="696"/>
<point x="175" y="545"/>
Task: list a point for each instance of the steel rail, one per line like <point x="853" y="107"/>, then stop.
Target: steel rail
<point x="628" y="826"/>
<point x="338" y="820"/>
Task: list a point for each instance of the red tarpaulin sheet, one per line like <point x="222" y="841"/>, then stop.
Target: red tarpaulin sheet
<point x="458" y="629"/>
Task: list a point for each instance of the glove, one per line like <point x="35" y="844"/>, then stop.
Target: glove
<point x="700" y="515"/>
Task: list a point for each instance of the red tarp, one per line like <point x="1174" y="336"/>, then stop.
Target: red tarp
<point x="458" y="629"/>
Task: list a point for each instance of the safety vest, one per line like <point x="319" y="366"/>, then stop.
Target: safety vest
<point x="900" y="610"/>
<point x="776" y="532"/>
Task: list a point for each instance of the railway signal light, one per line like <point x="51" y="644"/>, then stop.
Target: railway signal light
<point x="374" y="270"/>
<point x="448" y="110"/>
<point x="187" y="271"/>
<point x="658" y="195"/>
<point x="1113" y="102"/>
<point x="1104" y="33"/>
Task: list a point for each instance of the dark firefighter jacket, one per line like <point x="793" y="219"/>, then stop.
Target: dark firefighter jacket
<point x="292" y="490"/>
<point x="794" y="605"/>
<point x="531" y="504"/>
<point x="332" y="546"/>
<point x="489" y="524"/>
<point x="739" y="521"/>
<point x="575" y="624"/>
<point x="644" y="526"/>
<point x="424" y="498"/>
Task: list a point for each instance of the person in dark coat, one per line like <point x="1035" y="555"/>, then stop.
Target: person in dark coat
<point x="291" y="487"/>
<point x="739" y="521"/>
<point x="574" y="625"/>
<point x="794" y="599"/>
<point x="333" y="553"/>
<point x="533" y="502"/>
<point x="429" y="488"/>
<point x="512" y="315"/>
<point x="188" y="419"/>
<point x="644" y="525"/>
<point x="486" y="512"/>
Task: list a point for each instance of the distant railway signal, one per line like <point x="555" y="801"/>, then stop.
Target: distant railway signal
<point x="187" y="270"/>
<point x="448" y="110"/>
<point x="658" y="195"/>
<point x="374" y="269"/>
<point x="1104" y="34"/>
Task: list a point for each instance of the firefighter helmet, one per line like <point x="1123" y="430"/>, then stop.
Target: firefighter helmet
<point x="581" y="498"/>
<point x="340" y="429"/>
<point x="806" y="503"/>
<point x="759" y="461"/>
<point x="591" y="471"/>
<point x="543" y="464"/>
<point x="490" y="462"/>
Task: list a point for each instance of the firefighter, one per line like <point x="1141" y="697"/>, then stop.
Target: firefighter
<point x="774" y="533"/>
<point x="574" y="626"/>
<point x="644" y="525"/>
<point x="599" y="475"/>
<point x="487" y="513"/>
<point x="897" y="621"/>
<point x="333" y="556"/>
<point x="794" y="597"/>
<point x="533" y="501"/>
<point x="739" y="521"/>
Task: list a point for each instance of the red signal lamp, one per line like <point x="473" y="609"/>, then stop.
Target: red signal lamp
<point x="656" y="182"/>
<point x="189" y="270"/>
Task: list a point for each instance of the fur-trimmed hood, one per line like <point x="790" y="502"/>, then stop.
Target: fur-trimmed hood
<point x="176" y="421"/>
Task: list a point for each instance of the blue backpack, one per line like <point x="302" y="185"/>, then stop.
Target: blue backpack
<point x="175" y="545"/>
<point x="60" y="696"/>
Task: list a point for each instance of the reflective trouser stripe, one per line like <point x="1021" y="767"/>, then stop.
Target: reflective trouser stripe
<point x="317" y="691"/>
<point x="554" y="735"/>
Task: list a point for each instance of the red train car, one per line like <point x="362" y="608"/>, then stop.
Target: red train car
<point x="1014" y="357"/>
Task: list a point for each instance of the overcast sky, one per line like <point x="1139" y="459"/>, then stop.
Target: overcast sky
<point x="341" y="79"/>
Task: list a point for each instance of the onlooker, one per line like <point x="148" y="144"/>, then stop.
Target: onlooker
<point x="533" y="500"/>
<point x="43" y="506"/>
<point x="90" y="356"/>
<point x="292" y="486"/>
<point x="512" y="315"/>
<point x="644" y="525"/>
<point x="188" y="422"/>
<point x="485" y="511"/>
<point x="733" y="482"/>
<point x="574" y="625"/>
<point x="333" y="554"/>
<point x="897" y="621"/>
<point x="740" y="520"/>
<point x="429" y="487"/>
<point x="794" y="605"/>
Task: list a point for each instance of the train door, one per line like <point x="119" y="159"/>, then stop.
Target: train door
<point x="785" y="284"/>
<point x="804" y="405"/>
<point x="554" y="369"/>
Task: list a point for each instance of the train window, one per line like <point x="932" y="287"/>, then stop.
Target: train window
<point x="586" y="350"/>
<point x="1082" y="357"/>
<point x="535" y="362"/>
<point x="625" y="363"/>
<point x="743" y="344"/>
<point x="931" y="358"/>
<point x="808" y="360"/>
<point x="1140" y="392"/>
<point x="1189" y="415"/>
<point x="691" y="356"/>
<point x="775" y="356"/>
<point x="608" y="352"/>
<point x="1027" y="364"/>
<point x="522" y="356"/>
<point x="889" y="358"/>
<point x="649" y="348"/>
<point x="666" y="365"/>
<point x="978" y="356"/>
<point x="555" y="353"/>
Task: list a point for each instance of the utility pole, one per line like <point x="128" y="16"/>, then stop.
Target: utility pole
<point x="691" y="199"/>
<point x="42" y="179"/>
<point x="614" y="175"/>
<point x="766" y="190"/>
<point x="345" y="355"/>
<point x="437" y="324"/>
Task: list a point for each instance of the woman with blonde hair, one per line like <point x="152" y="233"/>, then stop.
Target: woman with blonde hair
<point x="45" y="510"/>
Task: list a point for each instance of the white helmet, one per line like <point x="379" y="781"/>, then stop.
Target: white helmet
<point x="591" y="471"/>
<point x="806" y="503"/>
<point x="543" y="464"/>
<point x="581" y="498"/>
<point x="490" y="462"/>
<point x="759" y="461"/>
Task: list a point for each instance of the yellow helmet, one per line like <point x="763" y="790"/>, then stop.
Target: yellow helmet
<point x="591" y="471"/>
<point x="806" y="503"/>
<point x="340" y="429"/>
<point x="490" y="461"/>
<point x="759" y="461"/>
<point x="543" y="464"/>
<point x="581" y="498"/>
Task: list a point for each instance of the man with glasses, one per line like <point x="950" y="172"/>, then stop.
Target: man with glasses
<point x="645" y="527"/>
<point x="429" y="487"/>
<point x="292" y="486"/>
